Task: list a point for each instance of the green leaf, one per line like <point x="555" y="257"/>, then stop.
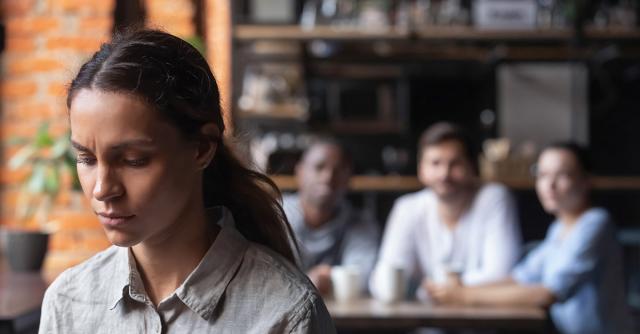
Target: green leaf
<point x="52" y="180"/>
<point x="36" y="183"/>
<point x="43" y="138"/>
<point x="60" y="147"/>
<point x="21" y="157"/>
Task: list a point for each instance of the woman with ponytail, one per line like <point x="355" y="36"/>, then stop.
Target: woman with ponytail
<point x="200" y="243"/>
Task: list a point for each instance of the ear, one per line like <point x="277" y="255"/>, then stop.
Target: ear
<point x="207" y="144"/>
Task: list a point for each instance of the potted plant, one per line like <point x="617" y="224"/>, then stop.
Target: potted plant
<point x="51" y="170"/>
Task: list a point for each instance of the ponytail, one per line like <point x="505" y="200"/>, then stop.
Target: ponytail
<point x="252" y="198"/>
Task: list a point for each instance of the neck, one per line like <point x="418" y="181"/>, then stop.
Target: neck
<point x="315" y="217"/>
<point x="570" y="217"/>
<point x="164" y="262"/>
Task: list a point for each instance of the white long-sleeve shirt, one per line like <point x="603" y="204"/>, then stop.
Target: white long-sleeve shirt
<point x="482" y="247"/>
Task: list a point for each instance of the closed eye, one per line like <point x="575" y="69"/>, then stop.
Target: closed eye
<point x="85" y="160"/>
<point x="137" y="162"/>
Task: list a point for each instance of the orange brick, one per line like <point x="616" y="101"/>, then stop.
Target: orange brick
<point x="83" y="44"/>
<point x="9" y="198"/>
<point x="15" y="8"/>
<point x="28" y="111"/>
<point x="12" y="89"/>
<point x="65" y="240"/>
<point x="8" y="130"/>
<point x="84" y="6"/>
<point x="34" y="65"/>
<point x="96" y="241"/>
<point x="57" y="261"/>
<point x="19" y="44"/>
<point x="58" y="89"/>
<point x="96" y="25"/>
<point x="31" y="26"/>
<point x="71" y="220"/>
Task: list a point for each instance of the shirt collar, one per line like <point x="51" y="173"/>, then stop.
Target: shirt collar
<point x="121" y="276"/>
<point x="203" y="288"/>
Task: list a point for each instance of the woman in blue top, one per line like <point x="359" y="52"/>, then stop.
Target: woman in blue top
<point x="576" y="271"/>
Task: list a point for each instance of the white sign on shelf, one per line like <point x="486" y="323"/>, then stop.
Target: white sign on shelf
<point x="504" y="14"/>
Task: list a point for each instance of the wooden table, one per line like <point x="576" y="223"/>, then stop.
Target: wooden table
<point x="368" y="314"/>
<point x="20" y="300"/>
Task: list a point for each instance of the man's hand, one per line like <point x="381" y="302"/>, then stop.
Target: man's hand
<point x="320" y="276"/>
<point x="450" y="292"/>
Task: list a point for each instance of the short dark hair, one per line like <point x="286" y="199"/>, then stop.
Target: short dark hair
<point x="441" y="132"/>
<point x="580" y="152"/>
<point x="326" y="139"/>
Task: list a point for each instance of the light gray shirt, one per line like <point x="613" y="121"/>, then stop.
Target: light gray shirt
<point x="238" y="287"/>
<point x="349" y="239"/>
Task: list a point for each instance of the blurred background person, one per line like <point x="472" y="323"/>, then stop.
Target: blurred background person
<point x="577" y="269"/>
<point x="328" y="229"/>
<point x="455" y="231"/>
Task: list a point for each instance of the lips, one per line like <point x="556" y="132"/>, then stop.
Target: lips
<point x="112" y="219"/>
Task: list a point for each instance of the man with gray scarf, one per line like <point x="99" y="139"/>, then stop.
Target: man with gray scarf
<point x="328" y="229"/>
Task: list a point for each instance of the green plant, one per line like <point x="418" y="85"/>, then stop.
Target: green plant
<point x="51" y="169"/>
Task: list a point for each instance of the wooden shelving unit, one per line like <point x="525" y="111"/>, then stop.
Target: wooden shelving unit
<point x="397" y="183"/>
<point x="248" y="32"/>
<point x="296" y="33"/>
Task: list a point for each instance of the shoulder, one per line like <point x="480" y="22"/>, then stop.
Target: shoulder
<point x="293" y="210"/>
<point x="290" y="199"/>
<point x="493" y="192"/>
<point x="88" y="281"/>
<point x="414" y="199"/>
<point x="596" y="221"/>
<point x="263" y="264"/>
<point x="493" y="195"/>
<point x="274" y="281"/>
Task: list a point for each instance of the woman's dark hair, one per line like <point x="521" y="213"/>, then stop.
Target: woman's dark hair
<point x="441" y="132"/>
<point x="172" y="77"/>
<point x="580" y="153"/>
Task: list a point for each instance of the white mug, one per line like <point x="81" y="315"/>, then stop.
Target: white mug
<point x="346" y="283"/>
<point x="391" y="281"/>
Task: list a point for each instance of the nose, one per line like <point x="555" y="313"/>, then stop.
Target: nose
<point x="107" y="186"/>
<point x="444" y="171"/>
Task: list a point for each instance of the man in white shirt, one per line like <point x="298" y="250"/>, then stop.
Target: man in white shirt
<point x="329" y="231"/>
<point x="456" y="230"/>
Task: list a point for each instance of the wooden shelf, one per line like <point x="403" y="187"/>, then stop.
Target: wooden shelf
<point x="275" y="113"/>
<point x="296" y="33"/>
<point x="398" y="183"/>
<point x="611" y="33"/>
<point x="471" y="33"/>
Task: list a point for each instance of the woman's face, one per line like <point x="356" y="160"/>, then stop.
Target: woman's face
<point x="139" y="173"/>
<point x="560" y="183"/>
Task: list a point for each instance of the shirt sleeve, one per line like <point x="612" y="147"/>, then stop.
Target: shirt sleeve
<point x="501" y="241"/>
<point x="52" y="312"/>
<point x="314" y="319"/>
<point x="529" y="271"/>
<point x="581" y="258"/>
<point x="361" y="247"/>
<point x="398" y="244"/>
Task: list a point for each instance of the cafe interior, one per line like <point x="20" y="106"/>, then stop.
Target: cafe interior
<point x="369" y="76"/>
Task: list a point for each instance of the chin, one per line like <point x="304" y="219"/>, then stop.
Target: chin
<point x="550" y="208"/>
<point x="121" y="240"/>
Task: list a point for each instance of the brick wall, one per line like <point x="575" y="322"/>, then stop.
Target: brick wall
<point x="46" y="42"/>
<point x="174" y="16"/>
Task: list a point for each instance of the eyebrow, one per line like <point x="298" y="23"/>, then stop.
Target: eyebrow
<point x="119" y="146"/>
